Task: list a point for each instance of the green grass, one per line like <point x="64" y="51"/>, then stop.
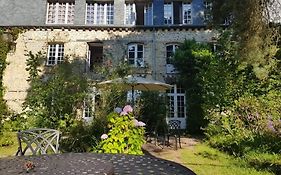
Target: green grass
<point x="11" y="149"/>
<point x="204" y="160"/>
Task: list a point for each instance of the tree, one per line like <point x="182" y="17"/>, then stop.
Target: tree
<point x="253" y="30"/>
<point x="53" y="99"/>
<point x="192" y="59"/>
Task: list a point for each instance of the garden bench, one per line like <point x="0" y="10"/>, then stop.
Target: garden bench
<point x="38" y="141"/>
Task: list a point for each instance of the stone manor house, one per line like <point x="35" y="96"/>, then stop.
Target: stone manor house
<point x="143" y="33"/>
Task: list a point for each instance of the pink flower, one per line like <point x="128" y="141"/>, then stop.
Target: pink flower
<point x="138" y="123"/>
<point x="128" y="109"/>
<point x="104" y="136"/>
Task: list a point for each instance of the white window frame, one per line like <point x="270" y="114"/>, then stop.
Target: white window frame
<point x="93" y="19"/>
<point x="138" y="62"/>
<point x="69" y="6"/>
<point x="130" y="14"/>
<point x="168" y="13"/>
<point x="174" y="113"/>
<point x="88" y="109"/>
<point x="58" y="56"/>
<point x="187" y="18"/>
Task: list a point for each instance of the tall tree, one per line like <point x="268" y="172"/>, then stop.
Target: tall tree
<point x="254" y="29"/>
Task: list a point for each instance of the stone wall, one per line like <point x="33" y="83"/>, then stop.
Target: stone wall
<point x="75" y="45"/>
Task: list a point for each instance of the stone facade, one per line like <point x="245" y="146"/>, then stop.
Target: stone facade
<point x="76" y="46"/>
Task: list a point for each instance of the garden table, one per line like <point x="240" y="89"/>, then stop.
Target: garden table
<point x="91" y="163"/>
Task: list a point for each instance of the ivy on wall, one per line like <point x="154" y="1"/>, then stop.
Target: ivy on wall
<point x="7" y="38"/>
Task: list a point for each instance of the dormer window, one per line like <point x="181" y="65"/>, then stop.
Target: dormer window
<point x="99" y="13"/>
<point x="60" y="13"/>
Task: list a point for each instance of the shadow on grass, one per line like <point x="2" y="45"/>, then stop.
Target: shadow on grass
<point x="177" y="165"/>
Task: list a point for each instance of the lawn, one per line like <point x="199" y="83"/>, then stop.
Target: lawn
<point x="11" y="149"/>
<point x="204" y="160"/>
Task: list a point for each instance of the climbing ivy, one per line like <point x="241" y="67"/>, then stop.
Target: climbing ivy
<point x="5" y="47"/>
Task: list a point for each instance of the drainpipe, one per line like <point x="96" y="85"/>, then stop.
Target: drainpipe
<point x="154" y="70"/>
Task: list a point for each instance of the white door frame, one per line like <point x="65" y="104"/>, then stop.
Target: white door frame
<point x="174" y="115"/>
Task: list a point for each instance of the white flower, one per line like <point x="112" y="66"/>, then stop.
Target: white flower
<point x="135" y="121"/>
<point x="104" y="136"/>
<point x="140" y="123"/>
<point x="223" y="114"/>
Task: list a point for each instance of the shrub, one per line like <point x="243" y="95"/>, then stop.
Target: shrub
<point x="80" y="138"/>
<point x="5" y="139"/>
<point x="125" y="135"/>
<point x="253" y="123"/>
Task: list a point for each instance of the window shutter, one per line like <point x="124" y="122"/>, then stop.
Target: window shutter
<point x="177" y="12"/>
<point x="140" y="13"/>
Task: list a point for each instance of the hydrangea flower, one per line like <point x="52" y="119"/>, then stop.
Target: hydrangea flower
<point x="118" y="110"/>
<point x="135" y="121"/>
<point x="123" y="113"/>
<point x="138" y="123"/>
<point x="128" y="109"/>
<point x="104" y="136"/>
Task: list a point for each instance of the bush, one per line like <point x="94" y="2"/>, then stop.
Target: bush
<point x="261" y="160"/>
<point x="5" y="139"/>
<point x="80" y="138"/>
<point x="125" y="135"/>
<point x="253" y="123"/>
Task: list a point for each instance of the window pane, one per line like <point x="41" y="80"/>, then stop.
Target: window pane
<point x="55" y="54"/>
<point x="171" y="106"/>
<point x="110" y="14"/>
<point x="187" y="14"/>
<point x="168" y="13"/>
<point x="90" y="13"/>
<point x="135" y="55"/>
<point x="180" y="104"/>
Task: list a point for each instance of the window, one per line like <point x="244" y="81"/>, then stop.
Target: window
<point x="135" y="55"/>
<point x="87" y="108"/>
<point x="130" y="14"/>
<point x="186" y="13"/>
<point x="60" y="13"/>
<point x="95" y="55"/>
<point x="168" y="13"/>
<point x="208" y="9"/>
<point x="99" y="13"/>
<point x="170" y="51"/>
<point x="148" y="15"/>
<point x="176" y="98"/>
<point x="55" y="54"/>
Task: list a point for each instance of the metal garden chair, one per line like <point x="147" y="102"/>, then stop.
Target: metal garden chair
<point x="174" y="131"/>
<point x="38" y="141"/>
